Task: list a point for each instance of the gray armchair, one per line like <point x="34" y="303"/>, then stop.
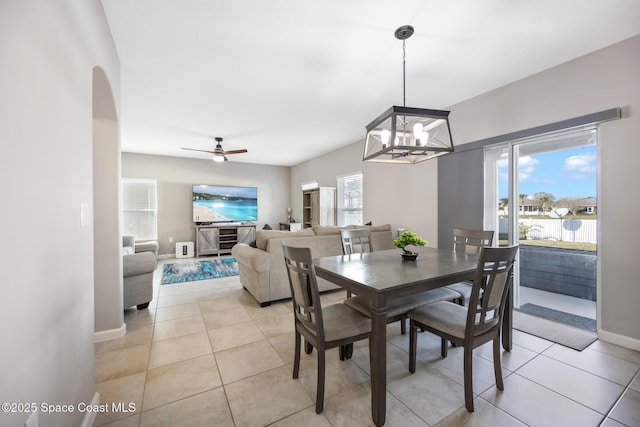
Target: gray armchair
<point x="137" y="271"/>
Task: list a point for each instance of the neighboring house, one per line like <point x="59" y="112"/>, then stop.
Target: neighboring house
<point x="575" y="206"/>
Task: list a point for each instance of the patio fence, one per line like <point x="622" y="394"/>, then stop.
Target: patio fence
<point x="566" y="230"/>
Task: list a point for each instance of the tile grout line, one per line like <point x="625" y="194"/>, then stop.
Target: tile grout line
<point x="627" y="388"/>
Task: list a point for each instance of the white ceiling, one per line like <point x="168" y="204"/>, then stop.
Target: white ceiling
<point x="292" y="79"/>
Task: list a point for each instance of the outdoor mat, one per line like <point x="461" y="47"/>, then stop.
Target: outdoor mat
<point x="560" y="316"/>
<point x="199" y="270"/>
<point x="568" y="336"/>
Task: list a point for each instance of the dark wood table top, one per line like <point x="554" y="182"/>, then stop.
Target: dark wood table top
<point x="384" y="272"/>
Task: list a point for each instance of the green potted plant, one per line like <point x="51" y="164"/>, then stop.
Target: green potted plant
<point x="525" y="229"/>
<point x="409" y="238"/>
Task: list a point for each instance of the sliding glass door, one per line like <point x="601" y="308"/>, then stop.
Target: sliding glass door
<point x="541" y="192"/>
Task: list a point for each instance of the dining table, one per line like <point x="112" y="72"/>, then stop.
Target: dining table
<point x="380" y="277"/>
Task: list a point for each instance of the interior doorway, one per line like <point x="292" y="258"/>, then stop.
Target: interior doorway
<point x="541" y="192"/>
<point x="107" y="238"/>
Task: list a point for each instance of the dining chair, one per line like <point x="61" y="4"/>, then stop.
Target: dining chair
<point x="474" y="325"/>
<point x="355" y="240"/>
<point x="323" y="328"/>
<point x="468" y="241"/>
<point x="397" y="309"/>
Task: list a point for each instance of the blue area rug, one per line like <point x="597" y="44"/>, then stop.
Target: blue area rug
<point x="199" y="270"/>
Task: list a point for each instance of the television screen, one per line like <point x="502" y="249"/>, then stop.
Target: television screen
<point x="221" y="203"/>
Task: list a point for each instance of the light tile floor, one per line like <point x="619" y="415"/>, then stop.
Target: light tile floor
<point x="206" y="354"/>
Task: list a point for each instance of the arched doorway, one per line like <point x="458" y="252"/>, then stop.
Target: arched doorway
<point x="107" y="259"/>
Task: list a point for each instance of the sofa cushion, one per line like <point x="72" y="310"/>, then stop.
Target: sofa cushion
<point x="262" y="236"/>
<point x="328" y="230"/>
<point x="385" y="227"/>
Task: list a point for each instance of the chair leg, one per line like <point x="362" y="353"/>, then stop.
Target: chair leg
<point x="497" y="364"/>
<point x="296" y="356"/>
<point x="308" y="348"/>
<point x="320" y="384"/>
<point x="413" y="345"/>
<point x="468" y="378"/>
<point x="403" y="326"/>
<point x="444" y="347"/>
<point x="348" y="351"/>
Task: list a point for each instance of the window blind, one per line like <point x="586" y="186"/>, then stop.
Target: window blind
<point x="139" y="208"/>
<point x="350" y="203"/>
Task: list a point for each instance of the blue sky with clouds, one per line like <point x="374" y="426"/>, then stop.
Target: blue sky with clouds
<point x="568" y="173"/>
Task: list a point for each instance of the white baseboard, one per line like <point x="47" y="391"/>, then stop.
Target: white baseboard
<point x="90" y="416"/>
<point x="622" y="340"/>
<point x="110" y="334"/>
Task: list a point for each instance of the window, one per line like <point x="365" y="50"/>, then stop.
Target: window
<point x="350" y="199"/>
<point x="139" y="208"/>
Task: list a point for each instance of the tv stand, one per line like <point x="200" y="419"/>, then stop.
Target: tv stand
<point x="218" y="239"/>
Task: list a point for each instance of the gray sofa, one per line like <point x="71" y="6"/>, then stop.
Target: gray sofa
<point x="137" y="269"/>
<point x="262" y="270"/>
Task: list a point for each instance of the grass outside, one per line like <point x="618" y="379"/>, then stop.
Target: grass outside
<point x="569" y="216"/>
<point x="556" y="244"/>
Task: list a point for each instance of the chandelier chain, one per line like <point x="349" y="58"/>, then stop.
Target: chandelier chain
<point x="404" y="61"/>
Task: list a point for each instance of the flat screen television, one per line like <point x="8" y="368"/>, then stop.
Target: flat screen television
<point x="223" y="203"/>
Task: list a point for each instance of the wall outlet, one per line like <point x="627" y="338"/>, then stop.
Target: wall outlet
<point x="170" y="239"/>
<point x="32" y="421"/>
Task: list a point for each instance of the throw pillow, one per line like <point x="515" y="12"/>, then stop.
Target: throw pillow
<point x="267" y="227"/>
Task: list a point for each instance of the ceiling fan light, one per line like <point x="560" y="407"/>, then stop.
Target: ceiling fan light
<point x="218" y="158"/>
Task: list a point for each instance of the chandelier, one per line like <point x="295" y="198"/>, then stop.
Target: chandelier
<point x="406" y="134"/>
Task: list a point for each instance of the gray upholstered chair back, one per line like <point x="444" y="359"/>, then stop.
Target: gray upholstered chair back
<point x="470" y="241"/>
<point x="304" y="290"/>
<point x="356" y="240"/>
<point x="490" y="289"/>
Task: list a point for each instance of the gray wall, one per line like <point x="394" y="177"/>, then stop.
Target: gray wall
<point x="109" y="314"/>
<point x="408" y="196"/>
<point x="599" y="81"/>
<point x="175" y="177"/>
<point x="49" y="51"/>
<point x="461" y="193"/>
<point x="401" y="195"/>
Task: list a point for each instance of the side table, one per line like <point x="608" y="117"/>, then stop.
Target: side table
<point x="291" y="226"/>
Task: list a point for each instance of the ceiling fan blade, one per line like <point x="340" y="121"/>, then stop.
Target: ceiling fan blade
<point x="194" y="149"/>
<point x="225" y="159"/>
<point x="244" y="150"/>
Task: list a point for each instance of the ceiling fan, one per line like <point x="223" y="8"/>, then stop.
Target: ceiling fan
<point x="219" y="155"/>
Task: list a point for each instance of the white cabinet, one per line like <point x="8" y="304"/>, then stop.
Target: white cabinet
<point x="319" y="207"/>
<point x="219" y="239"/>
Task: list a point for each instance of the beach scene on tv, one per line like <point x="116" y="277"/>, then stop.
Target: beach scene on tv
<point x="215" y="203"/>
